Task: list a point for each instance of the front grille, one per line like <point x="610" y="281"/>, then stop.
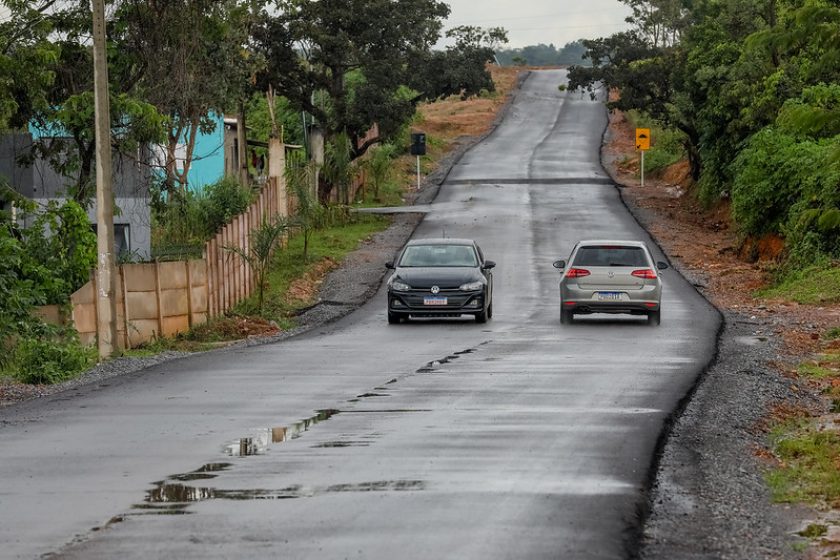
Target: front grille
<point x="455" y="299"/>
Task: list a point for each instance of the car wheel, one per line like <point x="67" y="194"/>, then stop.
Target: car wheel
<point x="481" y="317"/>
<point x="490" y="311"/>
<point x="654" y="317"/>
<point x="394" y="319"/>
<point x="565" y="316"/>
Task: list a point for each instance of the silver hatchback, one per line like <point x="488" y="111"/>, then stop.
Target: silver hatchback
<point x="607" y="276"/>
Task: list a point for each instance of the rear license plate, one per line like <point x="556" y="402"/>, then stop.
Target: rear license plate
<point x="434" y="301"/>
<point x="609" y="296"/>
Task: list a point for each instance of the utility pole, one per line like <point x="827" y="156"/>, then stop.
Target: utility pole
<point x="106" y="304"/>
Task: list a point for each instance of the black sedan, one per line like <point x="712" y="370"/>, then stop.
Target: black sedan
<point x="440" y="278"/>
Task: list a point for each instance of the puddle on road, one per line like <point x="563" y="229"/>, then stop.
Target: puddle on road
<point x="433" y="366"/>
<point x="328" y="444"/>
<point x="174" y="498"/>
<point x="258" y="443"/>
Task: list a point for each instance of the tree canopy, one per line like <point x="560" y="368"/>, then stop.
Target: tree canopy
<point x="752" y="85"/>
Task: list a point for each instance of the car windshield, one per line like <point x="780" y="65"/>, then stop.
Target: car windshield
<point x="610" y="255"/>
<point x="438" y="255"/>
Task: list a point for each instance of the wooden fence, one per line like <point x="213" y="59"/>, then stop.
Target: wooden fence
<point x="231" y="280"/>
<point x="162" y="299"/>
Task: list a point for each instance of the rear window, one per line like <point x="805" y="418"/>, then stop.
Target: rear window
<point x="610" y="255"/>
<point x="439" y="255"/>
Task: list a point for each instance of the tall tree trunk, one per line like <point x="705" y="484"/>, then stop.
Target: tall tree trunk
<point x="242" y="141"/>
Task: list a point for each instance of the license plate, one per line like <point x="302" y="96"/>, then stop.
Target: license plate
<point x="434" y="301"/>
<point x="609" y="296"/>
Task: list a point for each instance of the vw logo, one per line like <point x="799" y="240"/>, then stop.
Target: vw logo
<point x="435" y="290"/>
<point x="611" y="274"/>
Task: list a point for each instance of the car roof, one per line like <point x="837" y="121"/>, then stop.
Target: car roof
<point x="441" y="241"/>
<point x="620" y="242"/>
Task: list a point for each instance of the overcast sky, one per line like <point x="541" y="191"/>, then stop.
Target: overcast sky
<point x="530" y="22"/>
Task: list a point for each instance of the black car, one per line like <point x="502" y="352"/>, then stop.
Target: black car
<point x="440" y="278"/>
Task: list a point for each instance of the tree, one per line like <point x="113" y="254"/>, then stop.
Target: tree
<point x="347" y="62"/>
<point x="194" y="64"/>
<point x="312" y="46"/>
<point x="460" y="69"/>
<point x="26" y="61"/>
<point x="338" y="165"/>
<point x="301" y="176"/>
<point x="55" y="88"/>
<point x="379" y="166"/>
<point x="264" y="240"/>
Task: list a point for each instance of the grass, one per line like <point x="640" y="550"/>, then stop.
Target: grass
<point x="177" y="344"/>
<point x="293" y="282"/>
<point x="808" y="450"/>
<point x="809" y="470"/>
<point x="816" y="285"/>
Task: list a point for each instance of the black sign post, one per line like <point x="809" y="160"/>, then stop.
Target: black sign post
<point x="418" y="148"/>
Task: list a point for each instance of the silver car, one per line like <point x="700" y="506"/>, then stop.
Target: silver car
<point x="608" y="276"/>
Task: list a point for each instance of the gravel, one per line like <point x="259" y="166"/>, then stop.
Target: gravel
<point x="709" y="499"/>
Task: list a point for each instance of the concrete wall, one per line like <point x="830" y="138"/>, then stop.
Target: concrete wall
<point x="153" y="300"/>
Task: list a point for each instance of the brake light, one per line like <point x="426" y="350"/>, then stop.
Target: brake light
<point x="646" y="273"/>
<point x="577" y="273"/>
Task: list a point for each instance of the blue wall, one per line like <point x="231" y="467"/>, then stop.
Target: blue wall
<point x="208" y="165"/>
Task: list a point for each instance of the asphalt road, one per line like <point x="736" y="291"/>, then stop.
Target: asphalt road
<point x="520" y="438"/>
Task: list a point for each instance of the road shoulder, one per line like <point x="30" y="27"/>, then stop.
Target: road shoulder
<point x="708" y="497"/>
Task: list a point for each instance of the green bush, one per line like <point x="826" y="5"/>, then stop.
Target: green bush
<point x="39" y="265"/>
<point x="667" y="145"/>
<point x="184" y="222"/>
<point x="220" y="202"/>
<point x="787" y="177"/>
<point x="788" y="186"/>
<point x="60" y="250"/>
<point x="50" y="358"/>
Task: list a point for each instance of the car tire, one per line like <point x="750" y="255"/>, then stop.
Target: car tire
<point x="394" y="319"/>
<point x="490" y="310"/>
<point x="481" y="317"/>
<point x="566" y="316"/>
<point x="654" y="317"/>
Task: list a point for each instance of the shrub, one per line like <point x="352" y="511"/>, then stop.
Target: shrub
<point x="60" y="250"/>
<point x="787" y="185"/>
<point x="51" y="358"/>
<point x="185" y="221"/>
<point x="220" y="202"/>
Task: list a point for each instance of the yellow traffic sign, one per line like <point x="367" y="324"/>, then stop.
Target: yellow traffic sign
<point x="643" y="139"/>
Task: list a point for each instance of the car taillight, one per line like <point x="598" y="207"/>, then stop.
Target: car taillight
<point x="646" y="273"/>
<point x="577" y="273"/>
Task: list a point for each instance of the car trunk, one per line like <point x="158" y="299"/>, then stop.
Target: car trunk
<point x="610" y="278"/>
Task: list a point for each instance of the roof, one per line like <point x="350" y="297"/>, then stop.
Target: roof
<point x="441" y="241"/>
<point x="625" y="242"/>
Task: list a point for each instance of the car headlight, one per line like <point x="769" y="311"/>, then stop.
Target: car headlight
<point x="471" y="286"/>
<point x="398" y="286"/>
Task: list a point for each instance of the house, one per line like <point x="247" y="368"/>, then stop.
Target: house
<point x="35" y="178"/>
<point x="215" y="154"/>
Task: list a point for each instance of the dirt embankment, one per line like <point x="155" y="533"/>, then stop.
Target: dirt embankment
<point x="710" y="498"/>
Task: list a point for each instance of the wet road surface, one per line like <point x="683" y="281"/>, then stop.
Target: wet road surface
<point x="520" y="438"/>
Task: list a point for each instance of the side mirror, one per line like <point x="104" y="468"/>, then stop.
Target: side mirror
<point x="389" y="265"/>
<point x="559" y="264"/>
<point x="661" y="265"/>
<point x="488" y="265"/>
